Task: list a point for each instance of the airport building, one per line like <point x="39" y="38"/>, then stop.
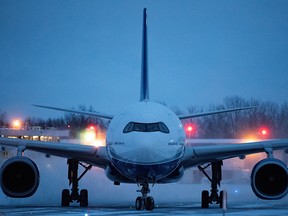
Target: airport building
<point x="33" y="133"/>
<point x="36" y="133"/>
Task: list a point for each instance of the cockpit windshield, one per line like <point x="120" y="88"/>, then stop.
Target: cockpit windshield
<point x="146" y="127"/>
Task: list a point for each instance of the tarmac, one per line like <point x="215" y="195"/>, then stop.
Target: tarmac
<point x="122" y="209"/>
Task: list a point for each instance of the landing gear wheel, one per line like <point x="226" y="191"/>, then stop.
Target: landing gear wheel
<point x="149" y="204"/>
<point x="205" y="199"/>
<point x="65" y="198"/>
<point x="144" y="201"/>
<point x="223" y="199"/>
<point x="83" y="198"/>
<point x="139" y="203"/>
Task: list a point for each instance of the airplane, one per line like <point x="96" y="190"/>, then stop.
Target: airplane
<point x="145" y="144"/>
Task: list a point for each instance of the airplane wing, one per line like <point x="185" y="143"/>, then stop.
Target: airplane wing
<point x="100" y="115"/>
<point x="96" y="156"/>
<point x="196" y="155"/>
<point x="194" y="115"/>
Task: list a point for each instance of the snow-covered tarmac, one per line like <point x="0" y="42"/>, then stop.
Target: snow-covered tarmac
<point x="181" y="198"/>
<point x="243" y="208"/>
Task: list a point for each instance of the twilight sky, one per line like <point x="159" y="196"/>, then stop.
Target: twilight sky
<point x="66" y="53"/>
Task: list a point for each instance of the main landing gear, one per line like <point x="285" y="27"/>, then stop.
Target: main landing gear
<point x="213" y="197"/>
<point x="144" y="201"/>
<point x="81" y="198"/>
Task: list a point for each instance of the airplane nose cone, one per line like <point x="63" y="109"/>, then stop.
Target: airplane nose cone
<point x="147" y="155"/>
<point x="146" y="151"/>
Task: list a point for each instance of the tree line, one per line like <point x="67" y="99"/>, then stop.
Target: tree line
<point x="74" y="122"/>
<point x="238" y="124"/>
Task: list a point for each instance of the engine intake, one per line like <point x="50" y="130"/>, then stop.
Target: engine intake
<point x="19" y="177"/>
<point x="269" y="179"/>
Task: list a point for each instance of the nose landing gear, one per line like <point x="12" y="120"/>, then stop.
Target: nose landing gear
<point x="144" y="201"/>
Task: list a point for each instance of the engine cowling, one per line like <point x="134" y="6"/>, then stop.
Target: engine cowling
<point x="19" y="177"/>
<point x="269" y="179"/>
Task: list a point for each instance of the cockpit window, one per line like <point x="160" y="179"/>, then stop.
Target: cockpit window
<point x="146" y="127"/>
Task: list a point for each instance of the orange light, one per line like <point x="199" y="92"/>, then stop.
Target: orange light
<point x="93" y="136"/>
<point x="16" y="124"/>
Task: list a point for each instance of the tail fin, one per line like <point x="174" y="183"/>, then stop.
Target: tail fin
<point x="144" y="91"/>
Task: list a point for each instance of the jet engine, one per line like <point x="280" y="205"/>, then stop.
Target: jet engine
<point x="269" y="179"/>
<point x="19" y="177"/>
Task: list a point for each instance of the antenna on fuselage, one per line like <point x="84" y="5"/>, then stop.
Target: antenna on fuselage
<point x="144" y="91"/>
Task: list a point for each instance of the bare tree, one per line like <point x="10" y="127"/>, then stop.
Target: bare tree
<point x="80" y="122"/>
<point x="3" y="119"/>
<point x="236" y="124"/>
<point x="282" y="122"/>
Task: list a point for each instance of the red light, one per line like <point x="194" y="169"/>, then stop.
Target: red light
<point x="91" y="127"/>
<point x="263" y="132"/>
<point x="189" y="128"/>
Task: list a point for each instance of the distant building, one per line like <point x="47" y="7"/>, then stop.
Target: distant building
<point x="36" y="133"/>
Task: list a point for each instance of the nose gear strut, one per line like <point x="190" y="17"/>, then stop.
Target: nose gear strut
<point x="144" y="201"/>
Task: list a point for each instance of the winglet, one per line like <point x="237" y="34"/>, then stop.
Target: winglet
<point x="144" y="91"/>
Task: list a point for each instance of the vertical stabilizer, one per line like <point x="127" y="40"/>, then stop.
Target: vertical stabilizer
<point x="144" y="91"/>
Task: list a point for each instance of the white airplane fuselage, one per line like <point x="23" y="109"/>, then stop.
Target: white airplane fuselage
<point x="145" y="142"/>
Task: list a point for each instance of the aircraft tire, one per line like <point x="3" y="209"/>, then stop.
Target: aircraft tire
<point x="65" y="199"/>
<point x="139" y="203"/>
<point x="149" y="203"/>
<point x="223" y="199"/>
<point x="205" y="199"/>
<point x="83" y="198"/>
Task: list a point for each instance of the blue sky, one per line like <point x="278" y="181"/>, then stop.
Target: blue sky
<point x="67" y="53"/>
